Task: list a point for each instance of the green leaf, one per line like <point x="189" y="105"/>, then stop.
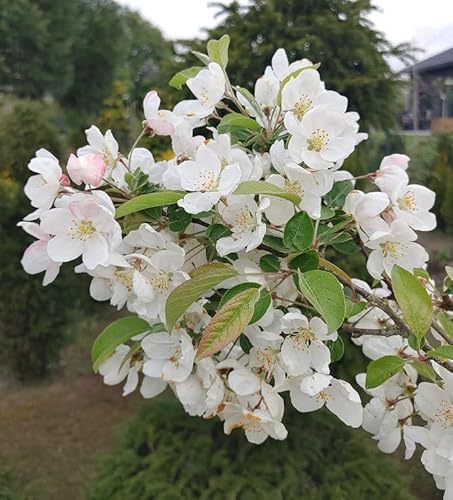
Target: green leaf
<point x="327" y="213"/>
<point x="112" y="336"/>
<point x="353" y="308"/>
<point x="245" y="344"/>
<point x="234" y="121"/>
<point x="228" y="323"/>
<point x="413" y="300"/>
<point x="275" y="243"/>
<point x="216" y="231"/>
<point x="202" y="57"/>
<point x="299" y="232"/>
<point x="179" y="79"/>
<point x="202" y="279"/>
<point x="263" y="187"/>
<point x="331" y="233"/>
<point x="305" y="261"/>
<point x="270" y="263"/>
<point x="415" y="343"/>
<point x="218" y="50"/>
<point x="424" y="370"/>
<point x="382" y="369"/>
<point x="144" y="201"/>
<point x="446" y="323"/>
<point x="178" y="219"/>
<point x="442" y="352"/>
<point x="421" y="273"/>
<point x="325" y="294"/>
<point x="294" y="74"/>
<point x="347" y="247"/>
<point x="260" y="307"/>
<point x="251" y="99"/>
<point x="336" y="349"/>
<point x="337" y="195"/>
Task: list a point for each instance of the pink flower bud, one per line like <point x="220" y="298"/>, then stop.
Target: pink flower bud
<point x="64" y="180"/>
<point x="89" y="169"/>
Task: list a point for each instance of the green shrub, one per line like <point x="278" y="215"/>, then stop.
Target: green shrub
<point x="442" y="183"/>
<point x="167" y="455"/>
<point x="33" y="321"/>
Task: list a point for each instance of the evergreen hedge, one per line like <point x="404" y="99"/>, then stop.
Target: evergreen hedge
<point x="166" y="455"/>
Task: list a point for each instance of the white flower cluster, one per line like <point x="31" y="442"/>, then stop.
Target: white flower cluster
<point x="231" y="234"/>
<point x="386" y="220"/>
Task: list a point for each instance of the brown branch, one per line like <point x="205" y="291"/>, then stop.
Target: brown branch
<point x="388" y="331"/>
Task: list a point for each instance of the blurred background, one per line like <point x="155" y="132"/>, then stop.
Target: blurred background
<point x="69" y="63"/>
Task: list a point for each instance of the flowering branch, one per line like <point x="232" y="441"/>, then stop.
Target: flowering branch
<point x="200" y="248"/>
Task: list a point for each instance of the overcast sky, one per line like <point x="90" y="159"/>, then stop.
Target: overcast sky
<point x="428" y="24"/>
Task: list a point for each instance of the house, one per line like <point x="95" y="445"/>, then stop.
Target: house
<point x="429" y="101"/>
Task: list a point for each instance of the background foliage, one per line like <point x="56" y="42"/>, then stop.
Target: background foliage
<point x="169" y="455"/>
<point x="336" y="33"/>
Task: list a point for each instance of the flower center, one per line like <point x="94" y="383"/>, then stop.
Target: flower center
<point x="266" y="358"/>
<point x="82" y="230"/>
<point x="176" y="355"/>
<point x="244" y="220"/>
<point x="391" y="249"/>
<point x="302" y="106"/>
<point x="303" y="338"/>
<point x="444" y="414"/>
<point x="125" y="278"/>
<point x="203" y="97"/>
<point x="293" y="187"/>
<point x="160" y="282"/>
<point x="324" y="395"/>
<point x="107" y="157"/>
<point x="407" y="202"/>
<point x="318" y="140"/>
<point x="208" y="182"/>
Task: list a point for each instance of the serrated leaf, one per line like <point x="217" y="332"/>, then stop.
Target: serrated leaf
<point x="325" y="294"/>
<point x="353" y="308"/>
<point x="270" y="263"/>
<point x="337" y="195"/>
<point x="275" y="243"/>
<point x="263" y="187"/>
<point x="228" y="323"/>
<point x="382" y="369"/>
<point x="178" y="219"/>
<point x="441" y="352"/>
<point x="113" y="335"/>
<point x="218" y="50"/>
<point x="348" y="247"/>
<point x="202" y="279"/>
<point x="327" y="213"/>
<point x="216" y="231"/>
<point x="299" y="232"/>
<point x="336" y="348"/>
<point x="413" y="300"/>
<point x="179" y="79"/>
<point x="245" y="344"/>
<point x="144" y="201"/>
<point x="304" y="261"/>
<point x="262" y="304"/>
<point x="329" y="234"/>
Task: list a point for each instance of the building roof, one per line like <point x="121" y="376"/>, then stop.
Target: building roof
<point x="439" y="61"/>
